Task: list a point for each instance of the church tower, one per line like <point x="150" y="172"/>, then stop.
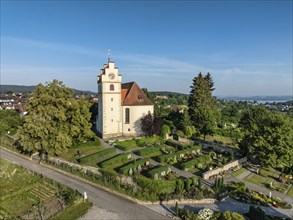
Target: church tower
<point x="109" y="121"/>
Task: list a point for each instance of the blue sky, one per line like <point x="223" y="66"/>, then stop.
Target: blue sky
<point x="162" y="45"/>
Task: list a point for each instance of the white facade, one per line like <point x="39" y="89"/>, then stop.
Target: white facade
<point x="112" y="120"/>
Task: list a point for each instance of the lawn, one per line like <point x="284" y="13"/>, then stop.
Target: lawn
<point x="290" y="192"/>
<point x="85" y="150"/>
<point x="224" y="140"/>
<point x="73" y="212"/>
<point x="238" y="172"/>
<point x="256" y="179"/>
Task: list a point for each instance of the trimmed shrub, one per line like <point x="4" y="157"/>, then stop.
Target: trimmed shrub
<point x="125" y="170"/>
<point x="117" y="159"/>
<point x="98" y="155"/>
<point x="159" y="170"/>
<point x="199" y="161"/>
<point x="148" y="140"/>
<point x="126" y="145"/>
<point x="176" y="144"/>
<point x="148" y="150"/>
<point x="156" y="186"/>
<point x="166" y="158"/>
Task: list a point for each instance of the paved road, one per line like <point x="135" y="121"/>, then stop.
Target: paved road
<point x="102" y="199"/>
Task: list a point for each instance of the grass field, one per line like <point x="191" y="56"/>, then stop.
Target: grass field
<point x="224" y="140"/>
<point x="73" y="212"/>
<point x="238" y="172"/>
<point x="256" y="179"/>
<point x="290" y="192"/>
<point x="85" y="150"/>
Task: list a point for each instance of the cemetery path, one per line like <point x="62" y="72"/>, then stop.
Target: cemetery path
<point x="108" y="202"/>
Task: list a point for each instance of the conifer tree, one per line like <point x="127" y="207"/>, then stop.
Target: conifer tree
<point x="202" y="105"/>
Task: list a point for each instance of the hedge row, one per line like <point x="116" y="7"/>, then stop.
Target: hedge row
<point x="156" y="187"/>
<point x="158" y="170"/>
<point x="148" y="150"/>
<point x="176" y="144"/>
<point x="98" y="155"/>
<point x="117" y="159"/>
<point x="199" y="162"/>
<point x="126" y="145"/>
<point x="166" y="158"/>
<point x="151" y="140"/>
<point x="125" y="170"/>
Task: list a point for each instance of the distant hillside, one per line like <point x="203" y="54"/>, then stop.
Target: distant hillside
<point x="26" y="89"/>
<point x="167" y="93"/>
<point x="258" y="98"/>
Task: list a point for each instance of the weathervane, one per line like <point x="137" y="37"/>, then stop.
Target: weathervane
<point x="109" y="54"/>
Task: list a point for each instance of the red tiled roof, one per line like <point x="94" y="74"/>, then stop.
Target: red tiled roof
<point x="131" y="94"/>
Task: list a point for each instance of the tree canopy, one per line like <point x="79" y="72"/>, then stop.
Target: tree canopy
<point x="202" y="105"/>
<point x="268" y="136"/>
<point x="55" y="120"/>
<point x="9" y="120"/>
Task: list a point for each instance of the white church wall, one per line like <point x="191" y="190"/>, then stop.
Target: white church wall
<point x="136" y="114"/>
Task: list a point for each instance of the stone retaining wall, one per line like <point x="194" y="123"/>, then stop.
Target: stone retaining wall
<point x="226" y="167"/>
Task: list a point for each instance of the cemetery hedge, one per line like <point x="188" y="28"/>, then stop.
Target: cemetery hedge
<point x="158" y="170"/>
<point x="125" y="170"/>
<point x="115" y="160"/>
<point x="98" y="155"/>
<point x="147" y="151"/>
<point x="199" y="162"/>
<point x="178" y="145"/>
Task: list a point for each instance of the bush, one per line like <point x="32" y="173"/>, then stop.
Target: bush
<point x="156" y="187"/>
<point x="165" y="130"/>
<point x="147" y="151"/>
<point x="125" y="170"/>
<point x="158" y="171"/>
<point x="148" y="140"/>
<point x="115" y="160"/>
<point x="166" y="158"/>
<point x="176" y="144"/>
<point x="199" y="161"/>
<point x="98" y="155"/>
<point x="126" y="145"/>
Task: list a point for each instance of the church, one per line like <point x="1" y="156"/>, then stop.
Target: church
<point x="121" y="106"/>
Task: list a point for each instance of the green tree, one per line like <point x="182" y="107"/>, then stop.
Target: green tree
<point x="268" y="136"/>
<point x="202" y="105"/>
<point x="9" y="121"/>
<point x="55" y="120"/>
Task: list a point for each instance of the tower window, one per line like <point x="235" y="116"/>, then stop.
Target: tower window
<point x="111" y="99"/>
<point x="111" y="87"/>
<point x="127" y="112"/>
<point x="111" y="109"/>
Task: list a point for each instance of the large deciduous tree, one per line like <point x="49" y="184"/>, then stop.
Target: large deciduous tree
<point x="55" y="120"/>
<point x="269" y="136"/>
<point x="202" y="105"/>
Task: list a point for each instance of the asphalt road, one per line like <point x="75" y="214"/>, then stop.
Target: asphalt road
<point x="104" y="200"/>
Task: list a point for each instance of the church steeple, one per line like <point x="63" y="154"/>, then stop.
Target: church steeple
<point x="109" y="56"/>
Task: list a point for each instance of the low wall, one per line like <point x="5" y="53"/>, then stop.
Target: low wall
<point x="179" y="201"/>
<point x="226" y="167"/>
<point x="81" y="167"/>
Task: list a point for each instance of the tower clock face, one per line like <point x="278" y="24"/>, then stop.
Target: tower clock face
<point x="111" y="75"/>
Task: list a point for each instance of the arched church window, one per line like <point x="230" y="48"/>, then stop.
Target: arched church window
<point x="127" y="111"/>
<point x="111" y="87"/>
